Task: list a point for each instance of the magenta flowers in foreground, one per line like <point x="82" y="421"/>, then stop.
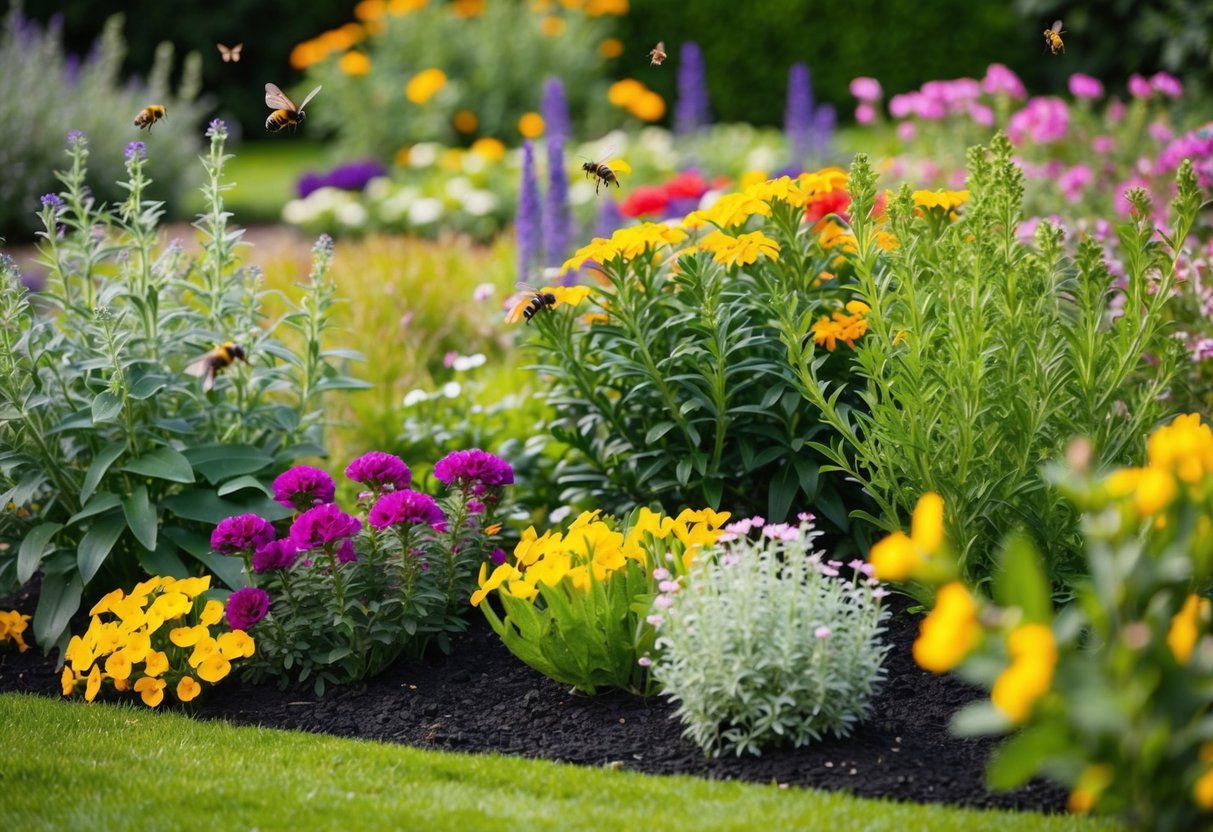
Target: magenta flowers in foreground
<point x="277" y="554"/>
<point x="406" y="506"/>
<point x="380" y="470"/>
<point x="474" y="469"/>
<point x="245" y="607"/>
<point x="319" y="526"/>
<point x="302" y="487"/>
<point x="242" y="533"/>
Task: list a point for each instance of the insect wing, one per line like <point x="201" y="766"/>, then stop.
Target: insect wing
<point x="236" y="50"/>
<point x="310" y="96"/>
<point x="276" y="99"/>
<point x="660" y="50"/>
<point x="1056" y="26"/>
<point x="199" y="366"/>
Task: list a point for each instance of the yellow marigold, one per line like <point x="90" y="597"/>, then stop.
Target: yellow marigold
<point x="152" y="690"/>
<point x="610" y="48"/>
<point x="551" y="25"/>
<point x="622" y="93"/>
<point x="886" y="241"/>
<point x="354" y="63"/>
<point x="1184" y="631"/>
<point x="465" y="121"/>
<point x="897" y="557"/>
<point x="531" y="125"/>
<point x="945" y="201"/>
<point x="828" y="331"/>
<point x="835" y="236"/>
<point x="741" y="250"/>
<point x="648" y="106"/>
<point x="337" y="40"/>
<point x="784" y="189"/>
<point x="467" y="8"/>
<point x="188" y="689"/>
<point x="490" y="148"/>
<point x="398" y="8"/>
<point x="634" y="241"/>
<point x="425" y="85"/>
<point x="598" y="8"/>
<point x="822" y="182"/>
<point x="1184" y="447"/>
<point x="949" y="632"/>
<point x="1091" y="784"/>
<point x="732" y="209"/>
<point x="1033" y="652"/>
<point x="591" y="318"/>
<point x="307" y="53"/>
<point x="370" y="10"/>
<point x="156" y="664"/>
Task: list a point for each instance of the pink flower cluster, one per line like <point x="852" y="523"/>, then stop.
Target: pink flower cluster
<point x="1045" y="119"/>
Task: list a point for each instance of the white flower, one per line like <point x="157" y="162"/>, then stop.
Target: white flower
<point x="415" y="396"/>
<point x="351" y="215"/>
<point x="425" y="210"/>
<point x="480" y="203"/>
<point x="463" y="363"/>
<point x="424" y="154"/>
<point x="451" y="389"/>
<point x="761" y="158"/>
<point x="558" y="514"/>
<point x="296" y="212"/>
<point x="458" y="187"/>
<point x="379" y="188"/>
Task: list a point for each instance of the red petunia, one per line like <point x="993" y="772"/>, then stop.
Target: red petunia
<point x="644" y="200"/>
<point x="686" y="185"/>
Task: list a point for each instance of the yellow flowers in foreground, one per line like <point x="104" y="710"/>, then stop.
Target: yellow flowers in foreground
<point x="12" y="626"/>
<point x="1033" y="652"/>
<point x="898" y="557"/>
<point x="949" y="632"/>
<point x="154" y="626"/>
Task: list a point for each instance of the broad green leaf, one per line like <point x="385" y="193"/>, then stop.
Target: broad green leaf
<point x="101" y="463"/>
<point x="205" y="506"/>
<point x="141" y="516"/>
<point x="1020" y="757"/>
<point x="96" y="544"/>
<point x="162" y="464"/>
<point x="106" y="406"/>
<point x="783" y="490"/>
<point x="29" y="556"/>
<point x="229" y="570"/>
<point x="163" y="560"/>
<point x="148" y="386"/>
<point x="1020" y="581"/>
<point x="102" y="501"/>
<point x="220" y="463"/>
<point x="240" y="483"/>
<point x="58" y="601"/>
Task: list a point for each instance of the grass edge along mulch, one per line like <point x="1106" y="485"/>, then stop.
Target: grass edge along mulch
<point x="71" y="765"/>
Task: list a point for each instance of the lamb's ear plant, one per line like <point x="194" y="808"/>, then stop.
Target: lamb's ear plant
<point x="112" y="457"/>
<point x="985" y="354"/>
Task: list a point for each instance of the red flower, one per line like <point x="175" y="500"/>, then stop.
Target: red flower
<point x="644" y="199"/>
<point x="834" y="202"/>
<point x="686" y="185"/>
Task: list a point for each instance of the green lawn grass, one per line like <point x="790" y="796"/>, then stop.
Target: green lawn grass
<point x="264" y="173"/>
<point x="76" y="766"/>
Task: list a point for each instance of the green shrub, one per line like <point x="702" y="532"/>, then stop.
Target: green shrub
<point x="112" y="457"/>
<point x="42" y="98"/>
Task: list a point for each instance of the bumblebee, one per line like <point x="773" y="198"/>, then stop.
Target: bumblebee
<point x="149" y="115"/>
<point x="214" y="362"/>
<point x="1053" y="38"/>
<point x="658" y="55"/>
<point x="285" y="114"/>
<point x="229" y="53"/>
<point x="529" y="308"/>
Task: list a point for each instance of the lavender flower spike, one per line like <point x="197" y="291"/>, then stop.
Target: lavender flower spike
<point x="691" y="112"/>
<point x="555" y="109"/>
<point x="798" y="117"/>
<point x="557" y="222"/>
<point x="527" y="224"/>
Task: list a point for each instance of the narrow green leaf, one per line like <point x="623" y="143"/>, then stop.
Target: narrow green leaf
<point x="96" y="544"/>
<point x="162" y="464"/>
<point x="1020" y="757"/>
<point x="1020" y="581"/>
<point x="29" y="556"/>
<point x="101" y="463"/>
<point x="163" y="560"/>
<point x="141" y="517"/>
<point x="102" y="501"/>
<point x="106" y="407"/>
<point x="58" y="601"/>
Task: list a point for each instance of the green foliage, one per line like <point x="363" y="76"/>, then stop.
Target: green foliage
<point x="43" y="96"/>
<point x="113" y="458"/>
<point x="766" y="644"/>
<point x="985" y="355"/>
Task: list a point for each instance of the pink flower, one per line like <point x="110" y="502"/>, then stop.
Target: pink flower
<point x="654" y="620"/>
<point x="907" y="130"/>
<point x="866" y="89"/>
<point x="981" y="114"/>
<point x="245" y="607"/>
<point x="1103" y="144"/>
<point x="1168" y="85"/>
<point x="1115" y="112"/>
<point x="903" y="105"/>
<point x="668" y="586"/>
<point x="406" y="506"/>
<point x="1160" y="132"/>
<point x="644" y="661"/>
<point x="277" y="554"/>
<point x="322" y="525"/>
<point x="865" y="113"/>
<point x="1123" y="206"/>
<point x="241" y="533"/>
<point x="823" y="632"/>
<point x="1085" y="86"/>
<point x="379" y="470"/>
<point x="1045" y="119"/>
<point x="661" y="574"/>
<point x="1074" y="181"/>
<point x="1139" y="87"/>
<point x="664" y="601"/>
<point x="302" y="487"/>
<point x="1202" y="350"/>
<point x="1001" y="81"/>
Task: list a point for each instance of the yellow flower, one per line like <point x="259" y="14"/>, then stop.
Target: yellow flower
<point x="214" y="668"/>
<point x="93" y="685"/>
<point x="648" y="106"/>
<point x="107" y="602"/>
<point x="500" y="575"/>
<point x="598" y="8"/>
<point x="187" y="689"/>
<point x="307" y="53"/>
<point x="784" y="188"/>
<point x="1091" y="784"/>
<point x="1185" y="627"/>
<point x="897" y="557"/>
<point x="490" y="148"/>
<point x="370" y="10"/>
<point x="949" y="632"/>
<point x="945" y="201"/>
<point x="398" y="8"/>
<point x="1033" y="657"/>
<point x="118" y="665"/>
<point x="610" y="48"/>
<point x="211" y="613"/>
<point x="551" y="25"/>
<point x="835" y="236"/>
<point x="564" y="295"/>
<point x="354" y="63"/>
<point x="622" y="93"/>
<point x="598" y="250"/>
<point x="157" y="663"/>
<point x="1184" y="447"/>
<point x="530" y="125"/>
<point x="188" y="636"/>
<point x="78" y="654"/>
<point x="926" y="524"/>
<point x="591" y="318"/>
<point x="828" y="331"/>
<point x="169" y="606"/>
<point x="138" y="645"/>
<point x="729" y="210"/>
<point x="204" y="649"/>
<point x="68" y="681"/>
<point x="465" y="121"/>
<point x="236" y="644"/>
<point x="425" y="85"/>
<point x="12" y="625"/>
<point x="152" y="690"/>
<point x="740" y="251"/>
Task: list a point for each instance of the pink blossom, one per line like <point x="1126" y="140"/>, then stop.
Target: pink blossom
<point x="1115" y="112"/>
<point x="880" y="592"/>
<point x="644" y="661"/>
<point x="449" y="358"/>
<point x="654" y="620"/>
<point x="806" y="517"/>
<point x="930" y="108"/>
<point x="981" y="114"/>
<point x="1202" y="350"/>
<point x="661" y="573"/>
<point x="1001" y="81"/>
<point x="1139" y="87"/>
<point x="668" y="586"/>
<point x="866" y="89"/>
<point x="1168" y="85"/>
<point x="1045" y="119"/>
<point x="1085" y="86"/>
<point x="823" y="632"/>
<point x="865" y="113"/>
<point x="1123" y="206"/>
<point x="907" y="130"/>
<point x="664" y="601"/>
<point x="782" y="531"/>
<point x="903" y="105"/>
<point x="1074" y="181"/>
<point x="1103" y="144"/>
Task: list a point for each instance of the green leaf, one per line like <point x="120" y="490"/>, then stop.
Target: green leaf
<point x="164" y="560"/>
<point x="101" y="463"/>
<point x="58" y="601"/>
<point x="980" y="719"/>
<point x="29" y="556"/>
<point x="106" y="406"/>
<point x="96" y="544"/>
<point x="162" y="464"/>
<point x="148" y="386"/>
<point x="657" y="431"/>
<point x="205" y="506"/>
<point x="219" y="463"/>
<point x="102" y="501"/>
<point x="229" y="570"/>
<point x="240" y="483"/>
<point x="1020" y="581"/>
<point x="785" y="485"/>
<point x="1020" y="757"/>
<point x="141" y="517"/>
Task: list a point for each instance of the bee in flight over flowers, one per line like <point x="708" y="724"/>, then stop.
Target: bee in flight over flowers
<point x="657" y="55"/>
<point x="209" y="365"/>
<point x="149" y="115"/>
<point x="606" y="172"/>
<point x="1053" y="38"/>
<point x="531" y="306"/>
<point x="285" y="114"/>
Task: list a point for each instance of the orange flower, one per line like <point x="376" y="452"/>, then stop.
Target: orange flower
<point x="648" y="106"/>
<point x="610" y="48"/>
<point x="465" y="121"/>
<point x="425" y="85"/>
<point x="531" y="125"/>
<point x="354" y="63"/>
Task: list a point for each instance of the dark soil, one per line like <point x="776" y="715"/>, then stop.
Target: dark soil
<point x="480" y="699"/>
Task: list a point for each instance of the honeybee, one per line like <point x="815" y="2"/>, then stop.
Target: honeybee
<point x="285" y="112"/>
<point x="1053" y="38"/>
<point x="214" y="362"/>
<point x="608" y="173"/>
<point x="149" y="115"/>
<point x="230" y="54"/>
<point x="529" y="308"/>
<point x="657" y="55"/>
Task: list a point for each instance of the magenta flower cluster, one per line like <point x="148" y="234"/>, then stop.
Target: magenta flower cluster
<point x="473" y="470"/>
<point x="406" y="507"/>
<point x="302" y="487"/>
<point x="277" y="554"/>
<point x="323" y="525"/>
<point x="380" y="471"/>
<point x="245" y="607"/>
<point x="242" y="533"/>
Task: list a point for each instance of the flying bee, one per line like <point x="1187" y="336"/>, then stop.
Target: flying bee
<point x="1053" y="38"/>
<point x="606" y="172"/>
<point x="657" y="55"/>
<point x="529" y="307"/>
<point x="229" y="53"/>
<point x="214" y="362"/>
<point x="285" y="112"/>
<point x="149" y="115"/>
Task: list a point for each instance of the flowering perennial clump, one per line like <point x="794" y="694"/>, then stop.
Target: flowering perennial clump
<point x="162" y="635"/>
<point x="13" y="625"/>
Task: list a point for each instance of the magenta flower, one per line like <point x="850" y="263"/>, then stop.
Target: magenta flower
<point x="1103" y="144"/>
<point x="277" y="554"/>
<point x="901" y="106"/>
<point x="245" y="607"/>
<point x="1001" y="81"/>
<point x="866" y="89"/>
<point x="380" y="470"/>
<point x="242" y="533"/>
<point x="1085" y="86"/>
<point x="323" y="525"/>
<point x="346" y="553"/>
<point x="981" y="114"/>
<point x="406" y="506"/>
<point x="302" y="487"/>
<point x="473" y="469"/>
<point x="1167" y="84"/>
<point x="865" y="113"/>
<point x="1074" y="181"/>
<point x="1045" y="119"/>
<point x="1139" y="87"/>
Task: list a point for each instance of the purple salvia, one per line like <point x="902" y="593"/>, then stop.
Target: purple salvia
<point x="555" y="110"/>
<point x="609" y="219"/>
<point x="825" y="118"/>
<point x="527" y="225"/>
<point x="557" y="222"/>
<point x="798" y="117"/>
<point x="691" y="112"/>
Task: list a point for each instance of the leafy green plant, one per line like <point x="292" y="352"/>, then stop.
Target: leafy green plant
<point x="112" y="457"/>
<point x="985" y="354"/>
<point x="764" y="642"/>
<point x="44" y="94"/>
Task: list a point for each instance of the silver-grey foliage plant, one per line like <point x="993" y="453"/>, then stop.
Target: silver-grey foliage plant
<point x="768" y="643"/>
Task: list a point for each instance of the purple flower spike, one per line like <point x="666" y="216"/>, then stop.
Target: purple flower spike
<point x="52" y="200"/>
<point x="557" y="222"/>
<point x="691" y="112"/>
<point x="406" y="506"/>
<point x="242" y="533"/>
<point x="302" y="487"/>
<point x="245" y="607"/>
<point x="380" y="470"/>
<point x="277" y="554"/>
<point x="555" y="110"/>
<point x="473" y="470"/>
<point x="323" y="525"/>
<point x="527" y="224"/>
<point x="136" y="150"/>
<point x="609" y="219"/>
<point x="798" y="117"/>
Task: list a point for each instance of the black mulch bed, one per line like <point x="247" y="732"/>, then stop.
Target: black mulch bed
<point x="480" y="699"/>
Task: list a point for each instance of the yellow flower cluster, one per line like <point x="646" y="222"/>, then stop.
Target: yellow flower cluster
<point x="637" y="99"/>
<point x="592" y="550"/>
<point x="628" y="243"/>
<point x="328" y="43"/>
<point x="741" y="250"/>
<point x="1180" y="454"/>
<point x="1185" y="627"/>
<point x="12" y="628"/>
<point x="949" y="631"/>
<point x="1033" y="652"/>
<point x="129" y="630"/>
<point x="756" y="198"/>
<point x="841" y="326"/>
<point x="945" y="202"/>
<point x="898" y="557"/>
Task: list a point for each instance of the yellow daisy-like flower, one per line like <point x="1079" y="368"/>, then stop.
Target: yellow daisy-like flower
<point x="784" y="188"/>
<point x="425" y="85"/>
<point x="563" y="295"/>
<point x="949" y="631"/>
<point x="828" y="331"/>
<point x="188" y="689"/>
<point x="740" y="251"/>
<point x="1033" y="656"/>
<point x="152" y="690"/>
<point x="156" y="664"/>
<point x="531" y="125"/>
<point x="945" y="201"/>
<point x="729" y="210"/>
<point x="833" y="235"/>
<point x="214" y="668"/>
